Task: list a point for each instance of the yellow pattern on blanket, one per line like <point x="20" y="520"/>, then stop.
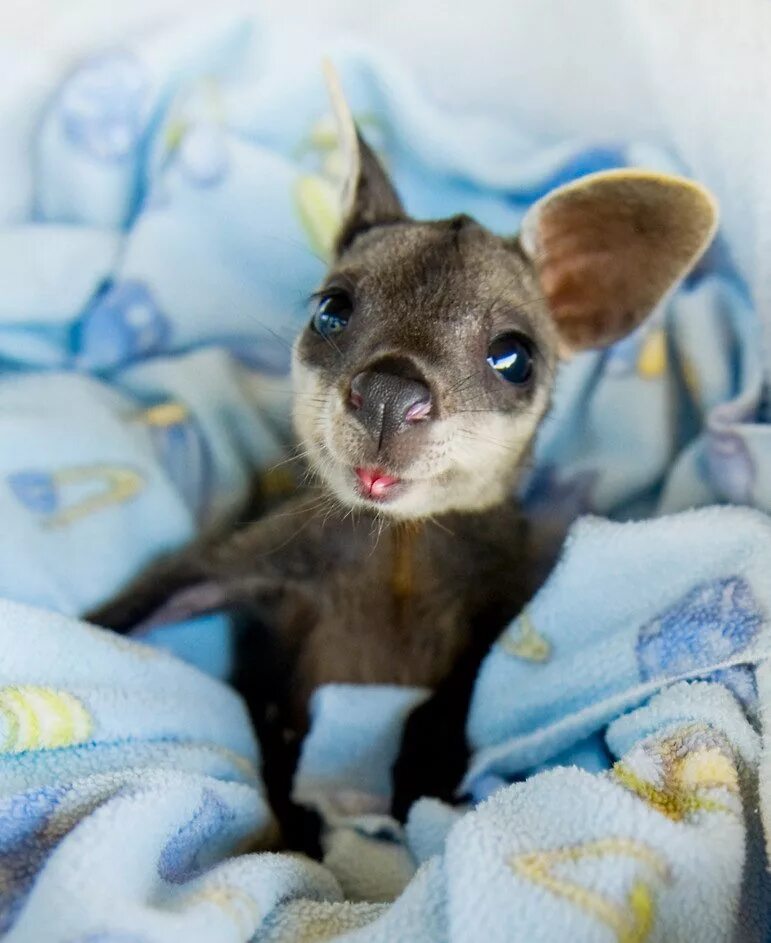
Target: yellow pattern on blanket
<point x="35" y="718"/>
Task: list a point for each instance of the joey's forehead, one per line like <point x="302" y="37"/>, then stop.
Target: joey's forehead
<point x="436" y="269"/>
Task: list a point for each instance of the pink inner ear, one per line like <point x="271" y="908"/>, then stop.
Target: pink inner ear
<point x="595" y="267"/>
<point x="607" y="251"/>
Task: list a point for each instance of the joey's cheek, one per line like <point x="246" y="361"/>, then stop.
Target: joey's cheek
<point x="339" y="434"/>
<point x="308" y="419"/>
<point x="311" y="402"/>
<point x="342" y="441"/>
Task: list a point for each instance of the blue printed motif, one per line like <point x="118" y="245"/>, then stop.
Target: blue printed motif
<point x="741" y="680"/>
<point x="102" y="106"/>
<point x="36" y="490"/>
<point x="65" y="495"/>
<point x="713" y="622"/>
<point x="24" y="846"/>
<point x="180" y="859"/>
<point x="123" y="324"/>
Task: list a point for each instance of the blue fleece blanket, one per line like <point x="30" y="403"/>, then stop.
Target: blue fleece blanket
<point x="184" y="200"/>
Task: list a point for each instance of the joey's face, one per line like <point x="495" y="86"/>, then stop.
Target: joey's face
<point x="425" y="369"/>
<point x="427" y="364"/>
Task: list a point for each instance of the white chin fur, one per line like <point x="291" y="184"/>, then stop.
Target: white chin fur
<point x="418" y="499"/>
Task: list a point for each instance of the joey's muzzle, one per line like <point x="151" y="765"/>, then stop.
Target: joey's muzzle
<point x="389" y="398"/>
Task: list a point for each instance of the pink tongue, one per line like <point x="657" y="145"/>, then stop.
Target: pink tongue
<point x="374" y="481"/>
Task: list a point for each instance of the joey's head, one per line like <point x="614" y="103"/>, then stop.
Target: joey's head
<point x="430" y="355"/>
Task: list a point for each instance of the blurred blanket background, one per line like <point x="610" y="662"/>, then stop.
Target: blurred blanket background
<point x="173" y="214"/>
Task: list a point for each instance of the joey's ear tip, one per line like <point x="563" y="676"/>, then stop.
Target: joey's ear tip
<point x="696" y="205"/>
<point x="692" y="196"/>
<point x="348" y="135"/>
<point x="328" y="67"/>
<point x="367" y="196"/>
<point x="331" y="78"/>
<point x="701" y="203"/>
<point x="336" y="94"/>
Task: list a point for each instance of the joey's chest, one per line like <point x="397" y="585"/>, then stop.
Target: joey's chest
<point x="398" y="606"/>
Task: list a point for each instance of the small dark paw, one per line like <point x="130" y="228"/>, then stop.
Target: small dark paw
<point x="301" y="830"/>
<point x="117" y="616"/>
<point x="432" y="758"/>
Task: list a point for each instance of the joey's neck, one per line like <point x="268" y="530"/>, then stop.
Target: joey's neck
<point x="449" y="523"/>
<point x="457" y="519"/>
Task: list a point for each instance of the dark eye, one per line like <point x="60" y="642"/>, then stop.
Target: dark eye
<point x="511" y="356"/>
<point x="333" y="311"/>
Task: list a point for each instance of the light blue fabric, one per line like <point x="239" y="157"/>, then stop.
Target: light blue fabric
<point x="128" y="779"/>
<point x="184" y="194"/>
<point x="346" y="759"/>
<point x="610" y="653"/>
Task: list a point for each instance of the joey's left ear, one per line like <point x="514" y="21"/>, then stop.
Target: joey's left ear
<point x="368" y="198"/>
<point x="608" y="247"/>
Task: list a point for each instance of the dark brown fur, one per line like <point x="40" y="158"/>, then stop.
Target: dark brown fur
<point x="337" y="589"/>
<point x="349" y="598"/>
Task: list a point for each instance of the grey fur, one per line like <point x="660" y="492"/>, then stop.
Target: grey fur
<point x="414" y="590"/>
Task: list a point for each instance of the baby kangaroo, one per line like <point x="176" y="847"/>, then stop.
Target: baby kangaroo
<point x="420" y="382"/>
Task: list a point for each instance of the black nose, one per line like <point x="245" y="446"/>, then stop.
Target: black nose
<point x="389" y="397"/>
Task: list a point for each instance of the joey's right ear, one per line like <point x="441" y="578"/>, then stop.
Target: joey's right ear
<point x="368" y="197"/>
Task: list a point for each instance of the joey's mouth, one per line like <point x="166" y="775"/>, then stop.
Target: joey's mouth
<point x="375" y="484"/>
